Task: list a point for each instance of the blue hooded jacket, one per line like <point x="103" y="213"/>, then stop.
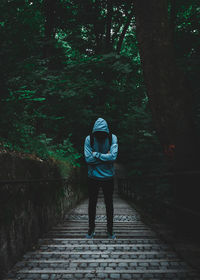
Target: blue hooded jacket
<point x="100" y="162"/>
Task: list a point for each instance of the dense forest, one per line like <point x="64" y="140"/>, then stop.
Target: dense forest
<point x="65" y="63"/>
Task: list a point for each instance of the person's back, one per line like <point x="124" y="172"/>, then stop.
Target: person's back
<point x="100" y="152"/>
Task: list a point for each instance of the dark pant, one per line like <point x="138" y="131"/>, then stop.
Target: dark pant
<point x="93" y="190"/>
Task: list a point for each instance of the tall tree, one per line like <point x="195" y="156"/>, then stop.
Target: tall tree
<point x="109" y="24"/>
<point x="125" y="28"/>
<point x="168" y="92"/>
<point x="173" y="15"/>
<point x="105" y="23"/>
<point x="49" y="10"/>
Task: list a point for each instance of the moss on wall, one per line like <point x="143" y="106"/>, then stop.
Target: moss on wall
<point x="29" y="209"/>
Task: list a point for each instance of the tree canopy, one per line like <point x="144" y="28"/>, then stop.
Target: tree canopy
<point x="65" y="63"/>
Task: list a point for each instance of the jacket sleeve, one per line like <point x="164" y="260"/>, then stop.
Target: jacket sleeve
<point x="111" y="157"/>
<point x="89" y="157"/>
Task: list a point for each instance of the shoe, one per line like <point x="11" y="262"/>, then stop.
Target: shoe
<point x="111" y="235"/>
<point x="90" y="234"/>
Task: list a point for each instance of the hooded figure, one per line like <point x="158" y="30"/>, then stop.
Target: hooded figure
<point x="100" y="152"/>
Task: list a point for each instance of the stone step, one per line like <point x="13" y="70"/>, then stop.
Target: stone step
<point x="111" y="273"/>
<point x="99" y="275"/>
<point x="65" y="255"/>
<point x="102" y="212"/>
<point x="100" y="223"/>
<point x="85" y="220"/>
<point x="102" y="218"/>
<point x="101" y="230"/>
<point x="102" y="235"/>
<point x="100" y="247"/>
<point x="102" y="205"/>
<point x="99" y="241"/>
<point x="107" y="270"/>
<point x="136" y="253"/>
<point x="105" y="264"/>
<point x="102" y="253"/>
<point x="164" y="262"/>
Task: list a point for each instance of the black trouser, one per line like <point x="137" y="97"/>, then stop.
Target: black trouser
<point x="93" y="190"/>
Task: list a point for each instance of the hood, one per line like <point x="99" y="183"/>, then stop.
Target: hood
<point x="100" y="125"/>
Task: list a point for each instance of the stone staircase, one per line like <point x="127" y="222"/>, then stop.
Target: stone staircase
<point x="136" y="253"/>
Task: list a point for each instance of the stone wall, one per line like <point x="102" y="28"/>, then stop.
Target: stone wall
<point x="29" y="209"/>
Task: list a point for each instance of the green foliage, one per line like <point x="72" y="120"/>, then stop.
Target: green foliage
<point x="56" y="79"/>
<point x="42" y="147"/>
<point x="65" y="152"/>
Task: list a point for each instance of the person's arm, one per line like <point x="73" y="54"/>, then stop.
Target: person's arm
<point x="111" y="155"/>
<point x="89" y="157"/>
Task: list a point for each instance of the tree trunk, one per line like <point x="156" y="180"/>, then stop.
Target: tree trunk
<point x="173" y="14"/>
<point x="121" y="38"/>
<point x="108" y="46"/>
<point x="168" y="93"/>
<point x="49" y="26"/>
<point x="99" y="28"/>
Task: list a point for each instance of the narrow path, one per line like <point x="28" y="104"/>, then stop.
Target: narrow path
<point x="137" y="253"/>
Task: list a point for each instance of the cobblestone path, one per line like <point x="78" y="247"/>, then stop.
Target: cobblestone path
<point x="137" y="253"/>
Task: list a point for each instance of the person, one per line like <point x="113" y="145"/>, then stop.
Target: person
<point x="100" y="151"/>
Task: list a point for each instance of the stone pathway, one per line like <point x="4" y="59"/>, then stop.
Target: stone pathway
<point x="137" y="253"/>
